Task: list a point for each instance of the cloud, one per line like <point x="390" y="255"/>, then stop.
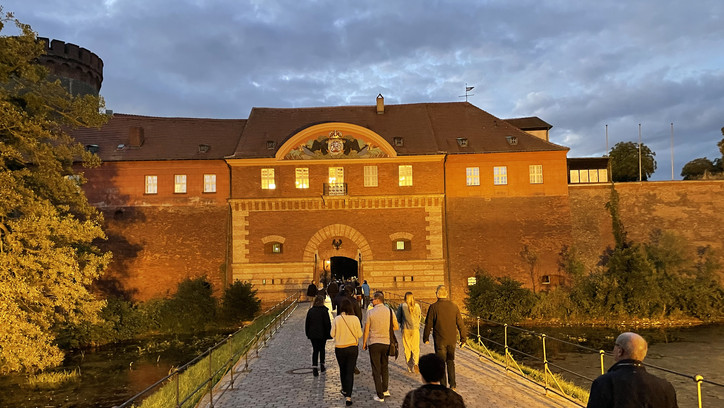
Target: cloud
<point x="577" y="65"/>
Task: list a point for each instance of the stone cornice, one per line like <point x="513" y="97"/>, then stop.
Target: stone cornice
<point x="337" y="203"/>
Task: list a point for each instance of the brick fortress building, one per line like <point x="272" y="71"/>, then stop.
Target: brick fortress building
<point x="406" y="196"/>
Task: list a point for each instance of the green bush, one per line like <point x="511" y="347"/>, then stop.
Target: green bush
<point x="501" y="299"/>
<point x="192" y="308"/>
<point x="239" y="302"/>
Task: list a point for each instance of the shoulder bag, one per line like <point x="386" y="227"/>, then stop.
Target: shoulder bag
<point x="394" y="347"/>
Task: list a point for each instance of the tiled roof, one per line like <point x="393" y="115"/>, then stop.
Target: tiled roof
<point x="163" y="138"/>
<point x="426" y="128"/>
<point x="530" y="123"/>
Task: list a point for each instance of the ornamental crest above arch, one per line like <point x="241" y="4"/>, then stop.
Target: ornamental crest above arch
<point x="335" y="140"/>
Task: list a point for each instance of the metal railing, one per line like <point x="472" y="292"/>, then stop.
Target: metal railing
<point x="188" y="384"/>
<point x="543" y="374"/>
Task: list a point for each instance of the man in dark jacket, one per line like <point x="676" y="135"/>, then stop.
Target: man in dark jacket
<point x="348" y="293"/>
<point x="312" y="292"/>
<point x="627" y="384"/>
<point x="444" y="320"/>
<point x="332" y="291"/>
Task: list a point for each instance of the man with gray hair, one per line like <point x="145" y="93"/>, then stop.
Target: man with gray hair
<point x="627" y="384"/>
<point x="444" y="321"/>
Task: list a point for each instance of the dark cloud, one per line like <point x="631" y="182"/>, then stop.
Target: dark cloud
<point x="578" y="65"/>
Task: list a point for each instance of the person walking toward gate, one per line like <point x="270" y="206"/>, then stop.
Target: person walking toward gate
<point x="317" y="327"/>
<point x="346" y="331"/>
<point x="377" y="336"/>
<point x="408" y="314"/>
<point x="444" y="321"/>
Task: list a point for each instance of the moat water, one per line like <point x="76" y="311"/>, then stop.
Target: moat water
<point x="111" y="375"/>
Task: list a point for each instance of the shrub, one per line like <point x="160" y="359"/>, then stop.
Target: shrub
<point x="501" y="299"/>
<point x="192" y="308"/>
<point x="239" y="302"/>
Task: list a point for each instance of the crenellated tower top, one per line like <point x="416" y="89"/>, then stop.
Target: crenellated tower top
<point x="80" y="70"/>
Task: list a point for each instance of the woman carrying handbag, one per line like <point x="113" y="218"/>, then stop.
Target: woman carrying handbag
<point x="346" y="332"/>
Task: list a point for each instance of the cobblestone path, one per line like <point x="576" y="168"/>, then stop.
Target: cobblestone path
<point x="282" y="377"/>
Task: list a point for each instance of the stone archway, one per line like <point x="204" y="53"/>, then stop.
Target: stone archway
<point x="361" y="245"/>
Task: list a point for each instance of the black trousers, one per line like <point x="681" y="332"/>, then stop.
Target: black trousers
<point x="347" y="360"/>
<point x="379" y="358"/>
<point x="447" y="353"/>
<point x="318" y="350"/>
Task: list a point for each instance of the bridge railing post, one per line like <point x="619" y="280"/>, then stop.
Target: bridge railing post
<point x="545" y="363"/>
<point x="698" y="380"/>
<point x="505" y="331"/>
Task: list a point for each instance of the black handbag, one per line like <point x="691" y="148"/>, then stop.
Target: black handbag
<point x="394" y="347"/>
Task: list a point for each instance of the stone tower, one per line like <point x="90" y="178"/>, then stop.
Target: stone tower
<point x="79" y="70"/>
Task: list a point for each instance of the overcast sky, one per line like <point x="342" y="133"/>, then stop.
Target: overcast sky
<point x="576" y="64"/>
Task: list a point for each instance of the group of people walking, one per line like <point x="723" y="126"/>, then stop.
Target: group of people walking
<point x="346" y="329"/>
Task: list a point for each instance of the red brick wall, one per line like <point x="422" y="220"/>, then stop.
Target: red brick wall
<point x="492" y="233"/>
<point x="154" y="248"/>
<point x="692" y="209"/>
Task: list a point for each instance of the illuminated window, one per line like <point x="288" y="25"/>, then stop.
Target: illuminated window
<point x="536" y="173"/>
<point x="370" y="176"/>
<point x="472" y="176"/>
<point x="209" y="183"/>
<point x="151" y="184"/>
<point x="405" y="172"/>
<point x="336" y="175"/>
<point x="179" y="183"/>
<point x="402" y="245"/>
<point x="302" y="177"/>
<point x="574" y="177"/>
<point x="500" y="175"/>
<point x="603" y="175"/>
<point x="267" y="179"/>
<point x="593" y="176"/>
<point x="273" y="248"/>
<point x="546" y="280"/>
<point x="472" y="280"/>
<point x="583" y="174"/>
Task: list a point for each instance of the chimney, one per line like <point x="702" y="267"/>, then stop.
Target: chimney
<point x="380" y="104"/>
<point x="135" y="136"/>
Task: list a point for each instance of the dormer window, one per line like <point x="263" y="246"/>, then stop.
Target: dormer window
<point x="270" y="144"/>
<point x="92" y="148"/>
<point x="203" y="148"/>
<point x="462" y="141"/>
<point x="512" y="140"/>
<point x="398" y="141"/>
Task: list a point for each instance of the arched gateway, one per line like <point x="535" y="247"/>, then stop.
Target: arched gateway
<point x="338" y="191"/>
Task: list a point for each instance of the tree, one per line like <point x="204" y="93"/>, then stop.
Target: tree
<point x="625" y="162"/>
<point x="240" y="302"/>
<point x="697" y="168"/>
<point x="47" y="228"/>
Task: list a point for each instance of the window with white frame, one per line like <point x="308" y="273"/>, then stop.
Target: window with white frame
<point x="405" y="174"/>
<point x="267" y="179"/>
<point x="472" y="176"/>
<point x="151" y="184"/>
<point x="500" y="175"/>
<point x="209" y="183"/>
<point x="536" y="173"/>
<point x="370" y="176"/>
<point x="302" y="180"/>
<point x="179" y="183"/>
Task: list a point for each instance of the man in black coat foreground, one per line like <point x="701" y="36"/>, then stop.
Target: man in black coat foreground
<point x="627" y="384"/>
<point x="444" y="321"/>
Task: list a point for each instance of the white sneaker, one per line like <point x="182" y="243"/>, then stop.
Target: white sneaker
<point x="386" y="393"/>
<point x="376" y="398"/>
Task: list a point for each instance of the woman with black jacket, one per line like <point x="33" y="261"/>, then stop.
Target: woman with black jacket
<point x="317" y="328"/>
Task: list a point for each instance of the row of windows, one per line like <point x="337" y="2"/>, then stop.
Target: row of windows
<point x="500" y="175"/>
<point x="180" y="184"/>
<point x="336" y="176"/>
<point x="589" y="176"/>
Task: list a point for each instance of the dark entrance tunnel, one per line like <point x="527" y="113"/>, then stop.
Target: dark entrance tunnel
<point x="343" y="268"/>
